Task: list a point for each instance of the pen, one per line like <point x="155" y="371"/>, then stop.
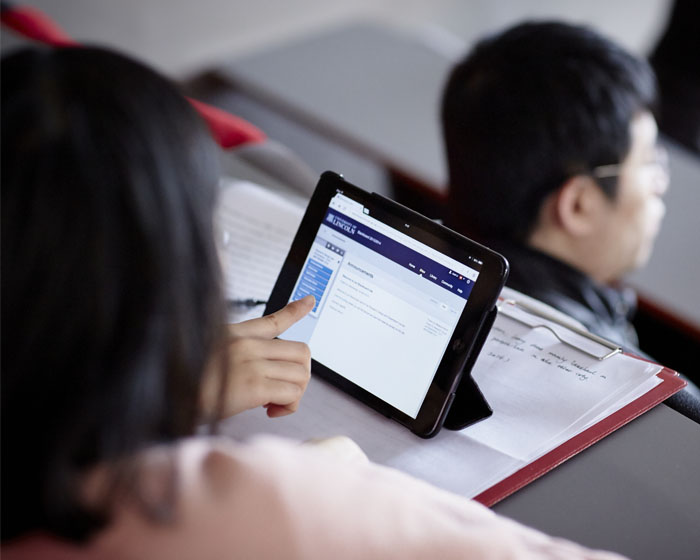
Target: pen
<point x="245" y="302"/>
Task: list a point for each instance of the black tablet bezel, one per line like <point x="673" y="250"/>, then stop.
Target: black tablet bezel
<point x="482" y="299"/>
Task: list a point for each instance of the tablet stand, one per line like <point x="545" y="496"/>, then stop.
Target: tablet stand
<point x="469" y="405"/>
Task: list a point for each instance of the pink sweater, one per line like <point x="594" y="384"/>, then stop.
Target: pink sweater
<point x="273" y="499"/>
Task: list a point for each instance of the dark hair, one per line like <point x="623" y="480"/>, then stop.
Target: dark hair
<point x="528" y="109"/>
<point x="111" y="298"/>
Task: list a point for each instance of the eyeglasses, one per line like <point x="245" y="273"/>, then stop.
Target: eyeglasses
<point x="658" y="160"/>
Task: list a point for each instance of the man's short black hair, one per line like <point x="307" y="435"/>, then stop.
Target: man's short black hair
<point x="526" y="110"/>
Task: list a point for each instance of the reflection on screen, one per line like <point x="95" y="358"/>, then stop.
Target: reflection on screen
<point x="386" y="304"/>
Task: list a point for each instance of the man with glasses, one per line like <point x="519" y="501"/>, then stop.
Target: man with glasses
<point x="553" y="161"/>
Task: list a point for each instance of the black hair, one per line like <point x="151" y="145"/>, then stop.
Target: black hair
<point x="526" y="110"/>
<point x="111" y="296"/>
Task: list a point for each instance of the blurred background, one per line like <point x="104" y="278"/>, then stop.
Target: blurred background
<point x="180" y="37"/>
<point x="355" y="87"/>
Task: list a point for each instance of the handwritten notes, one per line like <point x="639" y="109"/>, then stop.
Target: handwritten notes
<point x="541" y="389"/>
<point x="545" y="357"/>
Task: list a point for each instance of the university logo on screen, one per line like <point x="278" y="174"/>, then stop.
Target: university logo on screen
<point x="341" y="223"/>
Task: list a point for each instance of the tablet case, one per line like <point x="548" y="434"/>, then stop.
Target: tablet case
<point x="469" y="404"/>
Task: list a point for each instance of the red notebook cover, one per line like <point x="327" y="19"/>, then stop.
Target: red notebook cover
<point x="671" y="384"/>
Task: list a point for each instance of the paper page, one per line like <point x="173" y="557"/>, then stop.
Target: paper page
<point x="632" y="395"/>
<point x="255" y="228"/>
<point x="489" y="479"/>
<point x="539" y="387"/>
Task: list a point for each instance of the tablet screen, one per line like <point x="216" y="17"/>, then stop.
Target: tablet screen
<point x="386" y="304"/>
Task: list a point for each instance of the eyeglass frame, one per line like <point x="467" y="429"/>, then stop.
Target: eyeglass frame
<point x="661" y="160"/>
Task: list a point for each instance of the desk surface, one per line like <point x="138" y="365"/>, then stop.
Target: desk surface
<point x="636" y="492"/>
<point x="377" y="90"/>
<point x="370" y="88"/>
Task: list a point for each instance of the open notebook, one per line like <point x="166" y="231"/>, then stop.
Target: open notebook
<point x="551" y="396"/>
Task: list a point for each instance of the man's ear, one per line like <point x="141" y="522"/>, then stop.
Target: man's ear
<point x="578" y="205"/>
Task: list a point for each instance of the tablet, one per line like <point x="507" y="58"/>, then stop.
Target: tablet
<point x="402" y="304"/>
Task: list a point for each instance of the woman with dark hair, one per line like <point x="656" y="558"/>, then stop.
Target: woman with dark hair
<point x="114" y="351"/>
<point x="111" y="300"/>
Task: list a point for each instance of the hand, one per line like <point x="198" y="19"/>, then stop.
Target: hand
<point x="262" y="370"/>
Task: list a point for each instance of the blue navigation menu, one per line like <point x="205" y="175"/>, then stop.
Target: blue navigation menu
<point x="314" y="281"/>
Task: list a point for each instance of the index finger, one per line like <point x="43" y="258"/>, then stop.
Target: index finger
<point x="276" y="323"/>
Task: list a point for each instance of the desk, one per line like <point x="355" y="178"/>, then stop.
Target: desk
<point x="365" y="87"/>
<point x="376" y="90"/>
<point x="636" y="492"/>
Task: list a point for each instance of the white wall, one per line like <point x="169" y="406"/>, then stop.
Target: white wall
<point x="180" y="37"/>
